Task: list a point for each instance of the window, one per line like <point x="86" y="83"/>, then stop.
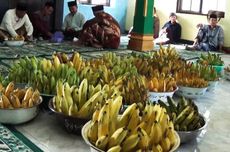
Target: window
<point x="95" y="2"/>
<point x="200" y="6"/>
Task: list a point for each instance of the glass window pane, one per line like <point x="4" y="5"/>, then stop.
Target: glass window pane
<point x="195" y="6"/>
<point x="186" y="5"/>
<point x="96" y="2"/>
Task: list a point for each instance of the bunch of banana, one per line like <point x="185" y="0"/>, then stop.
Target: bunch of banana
<point x="91" y="74"/>
<point x="208" y="73"/>
<point x="211" y="59"/>
<point x="63" y="57"/>
<point x="162" y="83"/>
<point x="18" y="98"/>
<point x="185" y="114"/>
<point x="21" y="70"/>
<point x="190" y="76"/>
<point x="78" y="62"/>
<point x="81" y="101"/>
<point x="131" y="131"/>
<point x="133" y="88"/>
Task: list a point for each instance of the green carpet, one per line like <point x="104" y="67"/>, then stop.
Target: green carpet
<point x="13" y="141"/>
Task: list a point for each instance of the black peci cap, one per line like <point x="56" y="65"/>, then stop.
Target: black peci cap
<point x="98" y="8"/>
<point x="21" y="6"/>
<point x="72" y="3"/>
<point x="172" y="14"/>
<point x="213" y="16"/>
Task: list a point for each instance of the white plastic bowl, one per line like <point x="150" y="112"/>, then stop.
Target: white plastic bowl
<point x="95" y="149"/>
<point x="187" y="136"/>
<point x="14" y="43"/>
<point x="190" y="92"/>
<point x="227" y="75"/>
<point x="155" y="96"/>
<point x="19" y="115"/>
<point x="212" y="85"/>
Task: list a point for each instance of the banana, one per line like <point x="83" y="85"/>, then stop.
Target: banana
<point x="35" y="97"/>
<point x="28" y="95"/>
<point x="103" y="121"/>
<point x="157" y="148"/>
<point x="125" y="117"/>
<point x="57" y="103"/>
<point x="89" y="107"/>
<point x="188" y="119"/>
<point x="165" y="144"/>
<point x="1" y="103"/>
<point x="130" y="142"/>
<point x="116" y="106"/>
<point x="15" y="101"/>
<point x="67" y="92"/>
<point x="30" y="103"/>
<point x="83" y="90"/>
<point x="117" y="137"/>
<point x="102" y="142"/>
<point x="56" y="61"/>
<point x="144" y="139"/>
<point x="93" y="131"/>
<point x="171" y="135"/>
<point x="115" y="149"/>
<point x="183" y="114"/>
<point x="20" y="93"/>
<point x="9" y="89"/>
<point x="5" y="101"/>
<point x="156" y="133"/>
<point x="134" y="120"/>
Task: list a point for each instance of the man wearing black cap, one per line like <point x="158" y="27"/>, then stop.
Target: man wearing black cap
<point x="16" y="22"/>
<point x="172" y="28"/>
<point x="210" y="37"/>
<point x="73" y="22"/>
<point x="102" y="31"/>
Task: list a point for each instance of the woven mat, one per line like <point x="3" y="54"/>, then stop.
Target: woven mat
<point x="13" y="141"/>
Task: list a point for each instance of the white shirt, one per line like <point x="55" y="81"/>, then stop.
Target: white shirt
<point x="11" y="23"/>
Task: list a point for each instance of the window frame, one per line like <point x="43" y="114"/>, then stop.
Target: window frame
<point x="89" y="2"/>
<point x="179" y="9"/>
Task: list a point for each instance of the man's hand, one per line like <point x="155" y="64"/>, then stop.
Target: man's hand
<point x="200" y="25"/>
<point x="29" y="38"/>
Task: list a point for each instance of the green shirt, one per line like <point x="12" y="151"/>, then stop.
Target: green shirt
<point x="75" y="21"/>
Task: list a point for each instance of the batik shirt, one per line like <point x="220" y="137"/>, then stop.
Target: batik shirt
<point x="213" y="36"/>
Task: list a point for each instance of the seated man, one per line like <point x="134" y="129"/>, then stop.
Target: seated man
<point x="156" y="24"/>
<point x="171" y="30"/>
<point x="210" y="37"/>
<point x="16" y="22"/>
<point x="73" y="22"/>
<point x="103" y="31"/>
<point x="41" y="21"/>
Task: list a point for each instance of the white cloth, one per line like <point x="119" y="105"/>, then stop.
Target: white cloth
<point x="11" y="23"/>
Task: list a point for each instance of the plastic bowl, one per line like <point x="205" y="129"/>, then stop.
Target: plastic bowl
<point x="219" y="68"/>
<point x="19" y="115"/>
<point x="93" y="148"/>
<point x="70" y="123"/>
<point x="190" y="92"/>
<point x="14" y="43"/>
<point x="155" y="96"/>
<point x="212" y="85"/>
<point x="227" y="75"/>
<point x="187" y="136"/>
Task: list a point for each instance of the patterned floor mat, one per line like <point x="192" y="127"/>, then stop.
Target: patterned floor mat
<point x="13" y="141"/>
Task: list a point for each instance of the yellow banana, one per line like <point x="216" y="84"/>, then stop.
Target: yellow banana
<point x="116" y="106"/>
<point x="30" y="103"/>
<point x="157" y="148"/>
<point x="144" y="139"/>
<point x="102" y="142"/>
<point x="115" y="149"/>
<point x="117" y="137"/>
<point x="1" y="103"/>
<point x="9" y="89"/>
<point x="28" y="95"/>
<point x="93" y="131"/>
<point x="165" y="144"/>
<point x="56" y="61"/>
<point x="35" y="96"/>
<point x="83" y="88"/>
<point x="67" y="94"/>
<point x="171" y="135"/>
<point x="103" y="121"/>
<point x="59" y="88"/>
<point x="5" y="101"/>
<point x="134" y="120"/>
<point x="156" y="133"/>
<point x="125" y="117"/>
<point x="15" y="101"/>
<point x="130" y="142"/>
